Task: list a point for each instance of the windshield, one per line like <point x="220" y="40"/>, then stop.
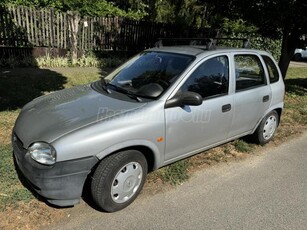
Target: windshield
<point x="149" y="74"/>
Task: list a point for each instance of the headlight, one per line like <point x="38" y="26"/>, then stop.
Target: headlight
<point x="42" y="153"/>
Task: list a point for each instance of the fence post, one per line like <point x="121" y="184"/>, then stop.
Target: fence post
<point x="73" y="20"/>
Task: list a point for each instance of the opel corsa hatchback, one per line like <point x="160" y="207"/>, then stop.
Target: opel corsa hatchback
<point x="163" y="105"/>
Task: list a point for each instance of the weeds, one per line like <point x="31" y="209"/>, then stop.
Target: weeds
<point x="176" y="173"/>
<point x="242" y="146"/>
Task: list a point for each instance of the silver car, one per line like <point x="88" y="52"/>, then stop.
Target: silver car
<point x="163" y="105"/>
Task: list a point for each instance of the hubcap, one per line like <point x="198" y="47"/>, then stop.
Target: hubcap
<point x="126" y="182"/>
<point x="269" y="127"/>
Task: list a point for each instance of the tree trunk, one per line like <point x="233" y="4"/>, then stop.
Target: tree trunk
<point x="290" y="41"/>
<point x="74" y="19"/>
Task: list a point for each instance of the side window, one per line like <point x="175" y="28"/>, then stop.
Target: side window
<point x="272" y="69"/>
<point x="210" y="78"/>
<point x="249" y="72"/>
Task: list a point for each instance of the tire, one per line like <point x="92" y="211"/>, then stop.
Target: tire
<point x="297" y="57"/>
<point x="267" y="128"/>
<point x="118" y="180"/>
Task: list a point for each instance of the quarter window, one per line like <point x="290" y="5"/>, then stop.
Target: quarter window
<point x="210" y="79"/>
<point x="272" y="69"/>
<point x="249" y="72"/>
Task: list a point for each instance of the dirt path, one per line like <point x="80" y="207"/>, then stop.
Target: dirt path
<point x="296" y="64"/>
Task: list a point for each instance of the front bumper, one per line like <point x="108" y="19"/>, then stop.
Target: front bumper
<point x="61" y="184"/>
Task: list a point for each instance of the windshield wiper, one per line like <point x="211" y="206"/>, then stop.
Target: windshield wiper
<point x="126" y="92"/>
<point x="104" y="85"/>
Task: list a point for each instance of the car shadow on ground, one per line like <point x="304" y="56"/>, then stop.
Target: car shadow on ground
<point x="20" y="86"/>
<point x="297" y="86"/>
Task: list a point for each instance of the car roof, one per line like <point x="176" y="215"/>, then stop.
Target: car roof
<point x="197" y="50"/>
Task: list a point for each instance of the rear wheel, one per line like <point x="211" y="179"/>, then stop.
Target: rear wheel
<point x="118" y="180"/>
<point x="267" y="128"/>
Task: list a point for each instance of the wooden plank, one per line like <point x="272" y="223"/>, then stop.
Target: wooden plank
<point x="91" y="44"/>
<point x="42" y="27"/>
<point x="23" y="26"/>
<point x="35" y="28"/>
<point x="61" y="30"/>
<point x="57" y="30"/>
<point x="47" y="27"/>
<point x="65" y="28"/>
<point x="32" y="25"/>
<point x="52" y="24"/>
<point x="81" y="44"/>
<point x="11" y="22"/>
<point x="2" y="26"/>
<point x="28" y="26"/>
<point x="18" y="24"/>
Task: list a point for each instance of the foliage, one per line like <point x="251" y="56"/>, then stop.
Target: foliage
<point x="189" y="13"/>
<point x="84" y="7"/>
<point x="257" y="41"/>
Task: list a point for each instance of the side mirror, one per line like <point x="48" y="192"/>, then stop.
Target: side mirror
<point x="185" y="98"/>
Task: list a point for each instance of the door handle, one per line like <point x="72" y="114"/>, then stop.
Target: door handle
<point x="226" y="108"/>
<point x="266" y="98"/>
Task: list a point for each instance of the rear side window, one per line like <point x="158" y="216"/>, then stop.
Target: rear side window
<point x="272" y="69"/>
<point x="249" y="72"/>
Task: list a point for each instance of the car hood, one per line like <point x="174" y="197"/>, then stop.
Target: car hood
<point x="49" y="117"/>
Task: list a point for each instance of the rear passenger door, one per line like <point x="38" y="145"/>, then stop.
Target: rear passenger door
<point x="252" y="93"/>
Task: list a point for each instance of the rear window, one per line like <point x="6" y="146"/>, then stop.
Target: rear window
<point x="272" y="69"/>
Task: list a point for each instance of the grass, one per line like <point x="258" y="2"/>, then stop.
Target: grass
<point x="19" y="86"/>
<point x="11" y="190"/>
<point x="242" y="146"/>
<point x="176" y="173"/>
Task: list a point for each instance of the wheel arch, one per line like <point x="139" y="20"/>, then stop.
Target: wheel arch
<point x="150" y="151"/>
<point x="279" y="112"/>
<point x="277" y="109"/>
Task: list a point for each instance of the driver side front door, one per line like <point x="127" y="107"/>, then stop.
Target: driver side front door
<point x="190" y="129"/>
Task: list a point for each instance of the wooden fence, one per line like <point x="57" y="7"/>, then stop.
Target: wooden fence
<point x="28" y="27"/>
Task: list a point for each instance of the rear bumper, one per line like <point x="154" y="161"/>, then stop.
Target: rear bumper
<point x="61" y="184"/>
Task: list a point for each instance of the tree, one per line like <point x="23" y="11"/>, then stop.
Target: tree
<point x="274" y="18"/>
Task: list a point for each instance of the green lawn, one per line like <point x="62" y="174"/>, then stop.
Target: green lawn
<point x="21" y="85"/>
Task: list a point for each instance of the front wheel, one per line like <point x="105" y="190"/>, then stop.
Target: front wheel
<point x="118" y="180"/>
<point x="267" y="128"/>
